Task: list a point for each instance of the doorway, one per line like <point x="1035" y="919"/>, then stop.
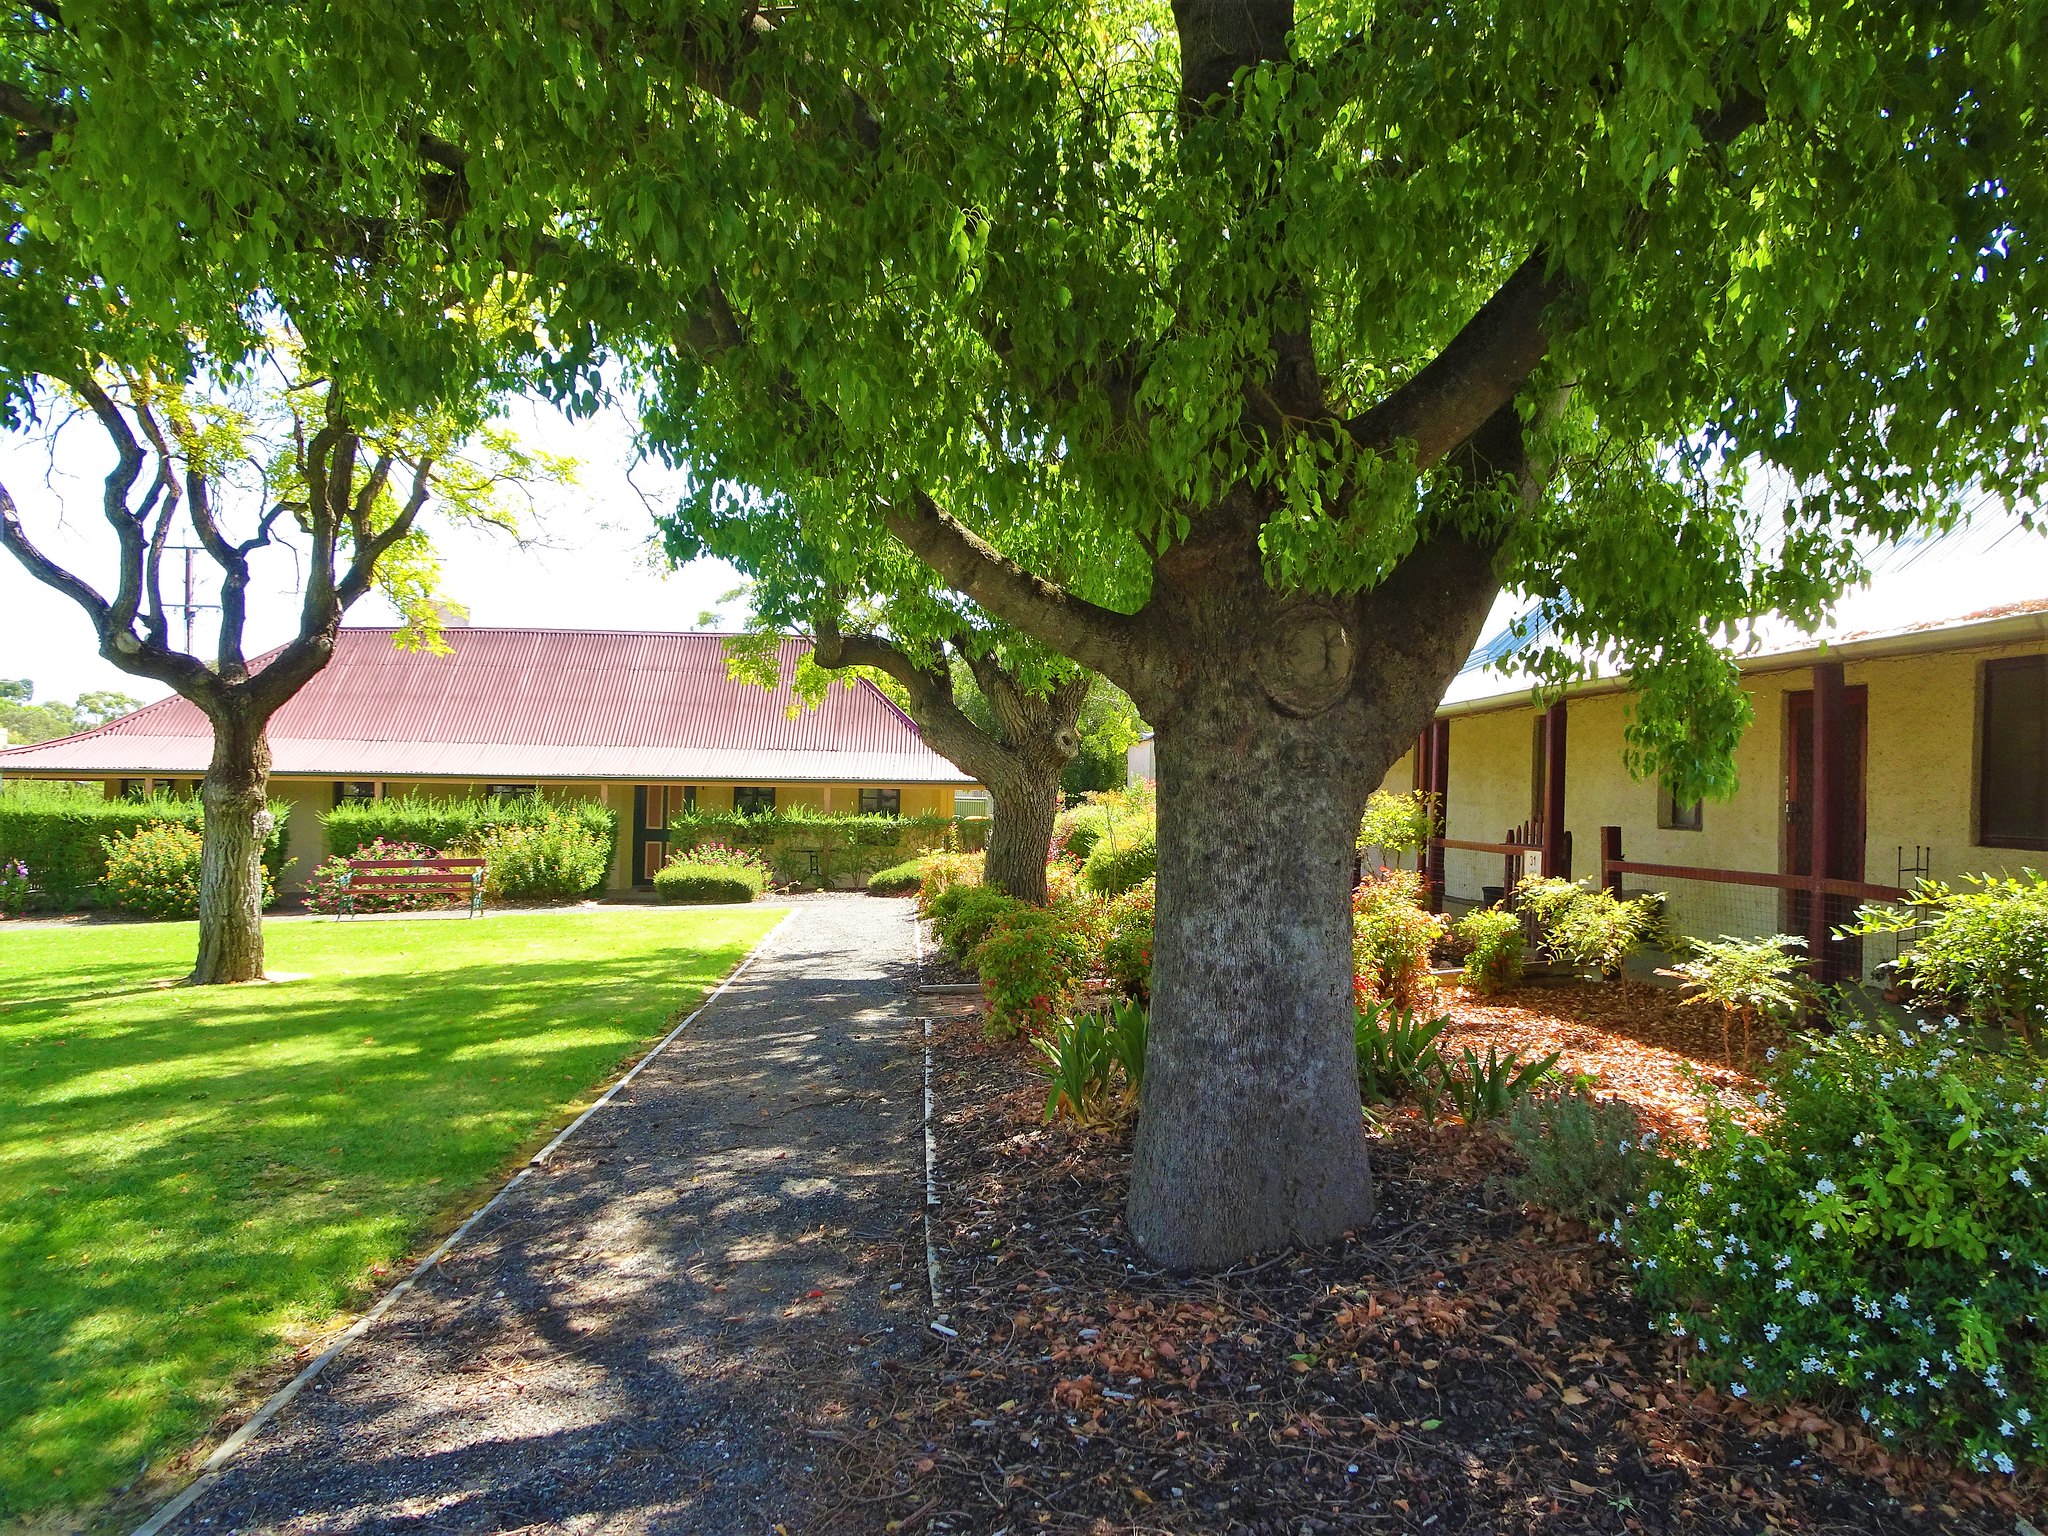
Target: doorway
<point x="653" y="805"/>
<point x="1840" y="959"/>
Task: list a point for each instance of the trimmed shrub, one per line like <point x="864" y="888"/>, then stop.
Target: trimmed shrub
<point x="1032" y="964"/>
<point x="1391" y="939"/>
<point x="897" y="880"/>
<point x="1126" y="856"/>
<point x="1127" y="944"/>
<point x="62" y="838"/>
<point x="686" y="880"/>
<point x="801" y="846"/>
<point x="323" y="887"/>
<point x="555" y="861"/>
<point x="964" y="920"/>
<point x="154" y="872"/>
<point x="1493" y="942"/>
<point x="1872" y="1240"/>
<point x="457" y="821"/>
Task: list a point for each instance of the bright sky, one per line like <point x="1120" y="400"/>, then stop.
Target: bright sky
<point x="590" y="568"/>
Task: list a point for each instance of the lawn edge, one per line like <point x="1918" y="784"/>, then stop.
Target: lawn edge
<point x="211" y="1470"/>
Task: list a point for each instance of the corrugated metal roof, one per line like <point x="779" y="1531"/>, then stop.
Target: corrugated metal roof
<point x="523" y="704"/>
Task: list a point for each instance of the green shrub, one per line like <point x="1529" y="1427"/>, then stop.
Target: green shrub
<point x="1126" y="856"/>
<point x="1396" y="823"/>
<point x="1077" y="830"/>
<point x="897" y="880"/>
<point x="1391" y="938"/>
<point x="1032" y="964"/>
<point x="154" y="872"/>
<point x="942" y="870"/>
<point x="1546" y="898"/>
<point x="554" y="861"/>
<point x="969" y="916"/>
<point x="1127" y="941"/>
<point x="1590" y="929"/>
<point x="1873" y="1240"/>
<point x="1397" y="1052"/>
<point x="324" y="887"/>
<point x="1486" y="1088"/>
<point x="1746" y="979"/>
<point x="1130" y="1035"/>
<point x="457" y="821"/>
<point x="685" y="880"/>
<point x="1586" y="1157"/>
<point x="1493" y="941"/>
<point x="1984" y="953"/>
<point x="62" y="837"/>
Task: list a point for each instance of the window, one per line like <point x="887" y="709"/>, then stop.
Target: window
<point x="1673" y="817"/>
<point x="2012" y="754"/>
<point x="510" y="791"/>
<point x="347" y="790"/>
<point x="881" y="802"/>
<point x="753" y="799"/>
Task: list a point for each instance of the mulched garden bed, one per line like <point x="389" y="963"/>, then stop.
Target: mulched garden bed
<point x="1463" y="1366"/>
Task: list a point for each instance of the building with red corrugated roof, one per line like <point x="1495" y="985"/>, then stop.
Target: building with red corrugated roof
<point x="644" y="722"/>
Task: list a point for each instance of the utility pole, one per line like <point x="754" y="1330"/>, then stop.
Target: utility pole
<point x="192" y="606"/>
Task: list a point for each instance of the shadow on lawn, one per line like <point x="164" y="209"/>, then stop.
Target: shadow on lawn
<point x="641" y="1337"/>
<point x="194" y="1184"/>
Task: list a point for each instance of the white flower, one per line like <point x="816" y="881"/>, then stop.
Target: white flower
<point x="1771" y="1332"/>
<point x="1737" y="1389"/>
<point x="1824" y="1187"/>
<point x="2019" y="1177"/>
<point x="1806" y="1298"/>
<point x="1656" y="1198"/>
<point x="1784" y="1284"/>
<point x="2003" y="1462"/>
<point x="1818" y="1230"/>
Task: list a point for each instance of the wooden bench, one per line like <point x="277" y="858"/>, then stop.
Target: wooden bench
<point x="449" y="877"/>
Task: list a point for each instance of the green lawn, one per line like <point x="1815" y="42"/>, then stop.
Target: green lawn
<point x="194" y="1181"/>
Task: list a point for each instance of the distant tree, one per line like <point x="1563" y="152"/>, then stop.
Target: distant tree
<point x="16" y="690"/>
<point x="21" y="724"/>
<point x="276" y="458"/>
<point x="93" y="709"/>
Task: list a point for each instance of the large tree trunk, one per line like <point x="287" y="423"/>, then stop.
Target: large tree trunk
<point x="1251" y="1135"/>
<point x="238" y="824"/>
<point x="1026" y="803"/>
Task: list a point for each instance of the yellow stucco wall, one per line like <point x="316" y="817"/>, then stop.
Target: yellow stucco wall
<point x="1919" y="785"/>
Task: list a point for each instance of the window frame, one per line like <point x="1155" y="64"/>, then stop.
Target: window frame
<point x="510" y="791"/>
<point x="2036" y="663"/>
<point x="753" y="792"/>
<point x="343" y="797"/>
<point x="893" y="797"/>
<point x="1673" y="817"/>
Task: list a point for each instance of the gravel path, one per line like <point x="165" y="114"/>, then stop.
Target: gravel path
<point x="640" y="1337"/>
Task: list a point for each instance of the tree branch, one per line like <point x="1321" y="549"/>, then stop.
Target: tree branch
<point x="1099" y="638"/>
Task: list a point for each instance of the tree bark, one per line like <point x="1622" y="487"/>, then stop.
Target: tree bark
<point x="238" y="825"/>
<point x="1026" y="803"/>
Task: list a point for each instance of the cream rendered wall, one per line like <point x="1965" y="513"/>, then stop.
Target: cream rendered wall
<point x="1491" y="759"/>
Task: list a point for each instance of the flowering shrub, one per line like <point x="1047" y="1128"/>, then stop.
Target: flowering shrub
<point x="1391" y="938"/>
<point x="1984" y="952"/>
<point x="1032" y="963"/>
<point x="154" y="871"/>
<point x="1063" y="882"/>
<point x="1875" y="1238"/>
<point x="552" y="861"/>
<point x="14" y="887"/>
<point x="1127" y="947"/>
<point x="1076" y="831"/>
<point x="323" y="889"/>
<point x="1493" y="940"/>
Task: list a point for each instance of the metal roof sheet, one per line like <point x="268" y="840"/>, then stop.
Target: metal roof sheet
<point x="521" y="704"/>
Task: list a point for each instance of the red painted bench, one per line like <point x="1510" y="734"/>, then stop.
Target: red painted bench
<point x="448" y="877"/>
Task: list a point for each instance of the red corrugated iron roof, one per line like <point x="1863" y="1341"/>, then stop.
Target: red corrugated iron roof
<point x="534" y="703"/>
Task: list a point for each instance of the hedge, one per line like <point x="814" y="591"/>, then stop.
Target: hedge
<point x="448" y="821"/>
<point x="805" y="847"/>
<point x="62" y="839"/>
<point x="897" y="880"/>
<point x="685" y="881"/>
